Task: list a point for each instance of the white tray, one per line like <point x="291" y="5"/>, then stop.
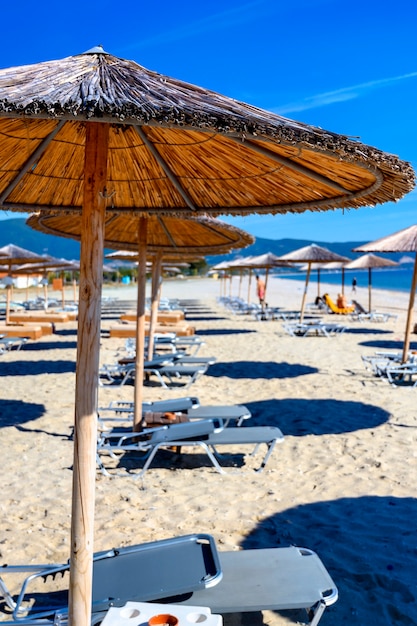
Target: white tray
<point x="139" y="613"/>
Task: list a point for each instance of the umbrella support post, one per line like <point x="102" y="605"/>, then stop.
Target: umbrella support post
<point x="303" y="303"/>
<point x="140" y="325"/>
<point x="156" y="278"/>
<point x="410" y="313"/>
<point x="86" y="386"/>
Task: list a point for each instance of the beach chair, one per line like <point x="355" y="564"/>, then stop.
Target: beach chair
<point x="205" y="434"/>
<point x="404" y="374"/>
<point x="122" y="411"/>
<point x="335" y="309"/>
<point x="360" y="314"/>
<point x="276" y="579"/>
<point x="142" y="572"/>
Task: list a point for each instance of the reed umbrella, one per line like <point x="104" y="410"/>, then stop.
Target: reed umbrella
<point x="95" y="133"/>
<point x="369" y="261"/>
<point x="310" y="255"/>
<point x="404" y="240"/>
<point x="169" y="236"/>
<point x="12" y="255"/>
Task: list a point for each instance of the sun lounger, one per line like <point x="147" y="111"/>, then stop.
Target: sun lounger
<point x="206" y="434"/>
<point x="30" y="331"/>
<point x="274" y="579"/>
<point x="121" y="575"/>
<point x="8" y="343"/>
<point x="121" y="411"/>
<point x="404" y="374"/>
<point x="361" y="315"/>
<point x="320" y="329"/>
<point x="333" y="308"/>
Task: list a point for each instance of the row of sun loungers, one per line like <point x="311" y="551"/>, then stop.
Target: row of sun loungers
<point x="206" y="584"/>
<point x="126" y="583"/>
<point x="389" y="366"/>
<point x="319" y="329"/>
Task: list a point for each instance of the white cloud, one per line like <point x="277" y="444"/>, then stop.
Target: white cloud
<point x="340" y="95"/>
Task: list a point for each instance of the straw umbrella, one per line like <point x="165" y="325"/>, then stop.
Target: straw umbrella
<point x="12" y="255"/>
<point x="404" y="240"/>
<point x="310" y="255"/>
<point x="166" y="236"/>
<point x="369" y="261"/>
<point x="95" y="133"/>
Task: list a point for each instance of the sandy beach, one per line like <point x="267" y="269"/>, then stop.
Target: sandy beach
<point x="342" y="483"/>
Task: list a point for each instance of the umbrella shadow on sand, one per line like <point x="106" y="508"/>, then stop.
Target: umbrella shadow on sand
<point x="224" y="331"/>
<point x="36" y="368"/>
<point x="50" y="345"/>
<point x="368" y="546"/>
<point x="389" y="344"/>
<point x="15" y="412"/>
<point x="300" y="417"/>
<point x="368" y="331"/>
<point x="259" y="369"/>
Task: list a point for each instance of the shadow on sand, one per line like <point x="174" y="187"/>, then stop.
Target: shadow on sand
<point x="224" y="331"/>
<point x="388" y="344"/>
<point x="35" y="368"/>
<point x="14" y="412"/>
<point x="368" y="545"/>
<point x="259" y="369"/>
<point x="300" y="417"/>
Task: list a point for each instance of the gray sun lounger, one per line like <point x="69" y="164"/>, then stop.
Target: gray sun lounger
<point x="123" y="410"/>
<point x="271" y="578"/>
<point x="226" y="582"/>
<point x="206" y="434"/>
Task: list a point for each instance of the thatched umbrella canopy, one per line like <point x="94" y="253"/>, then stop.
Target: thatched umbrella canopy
<point x="166" y="236"/>
<point x="369" y="261"/>
<point x="311" y="254"/>
<point x="404" y="240"/>
<point x="12" y="255"/>
<point x="94" y="132"/>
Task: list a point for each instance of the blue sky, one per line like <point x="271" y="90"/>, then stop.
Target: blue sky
<point x="349" y="67"/>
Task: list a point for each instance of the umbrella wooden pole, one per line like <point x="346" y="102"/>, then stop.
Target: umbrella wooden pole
<point x="74" y="286"/>
<point x="410" y="314"/>
<point x="343" y="280"/>
<point x="63" y="289"/>
<point x="303" y="303"/>
<point x="8" y="298"/>
<point x="156" y="281"/>
<point x="318" y="282"/>
<point x="140" y="324"/>
<point x="249" y="284"/>
<point x="240" y="283"/>
<point x="86" y="385"/>
<point x="370" y="289"/>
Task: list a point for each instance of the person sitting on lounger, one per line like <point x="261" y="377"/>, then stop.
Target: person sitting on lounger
<point x="342" y="302"/>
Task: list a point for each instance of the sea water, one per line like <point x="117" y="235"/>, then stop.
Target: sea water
<point x="398" y="279"/>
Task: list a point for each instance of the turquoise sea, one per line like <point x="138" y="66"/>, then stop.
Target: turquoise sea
<point x="398" y="279"/>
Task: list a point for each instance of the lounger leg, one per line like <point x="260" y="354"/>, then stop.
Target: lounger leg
<point x="316" y="612"/>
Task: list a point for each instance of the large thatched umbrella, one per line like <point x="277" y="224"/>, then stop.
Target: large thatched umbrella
<point x="369" y="261"/>
<point x="97" y="133"/>
<point x="12" y="255"/>
<point x="167" y="236"/>
<point x="310" y="255"/>
<point x="404" y="240"/>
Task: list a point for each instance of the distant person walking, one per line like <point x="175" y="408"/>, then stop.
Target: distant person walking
<point x="354" y="283"/>
<point x="260" y="291"/>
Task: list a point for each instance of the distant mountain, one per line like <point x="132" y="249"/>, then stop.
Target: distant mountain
<point x="15" y="230"/>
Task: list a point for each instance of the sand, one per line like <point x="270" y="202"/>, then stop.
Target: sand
<point x="342" y="483"/>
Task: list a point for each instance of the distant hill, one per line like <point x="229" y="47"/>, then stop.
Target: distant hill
<point x="15" y="230"/>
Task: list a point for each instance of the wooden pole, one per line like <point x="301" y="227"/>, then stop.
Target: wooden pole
<point x="249" y="284"/>
<point x="410" y="313"/>
<point x="343" y="280"/>
<point x="318" y="282"/>
<point x="140" y="325"/>
<point x="8" y="298"/>
<point x="86" y="384"/>
<point x="240" y="283"/>
<point x="303" y="303"/>
<point x="156" y="281"/>
<point x="63" y="289"/>
<point x="369" y="289"/>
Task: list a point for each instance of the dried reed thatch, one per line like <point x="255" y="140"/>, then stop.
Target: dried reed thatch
<point x="404" y="240"/>
<point x="369" y="261"/>
<point x="173" y="146"/>
<point x="312" y="254"/>
<point x="168" y="235"/>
